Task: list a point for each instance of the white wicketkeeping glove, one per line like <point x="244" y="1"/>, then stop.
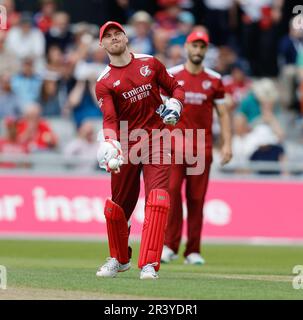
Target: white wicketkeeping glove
<point x="110" y="149"/>
<point x="170" y="111"/>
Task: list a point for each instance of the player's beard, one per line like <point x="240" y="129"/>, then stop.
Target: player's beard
<point x="117" y="50"/>
<point x="196" y="59"/>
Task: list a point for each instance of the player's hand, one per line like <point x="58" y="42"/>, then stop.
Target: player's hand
<point x="226" y="154"/>
<point x="170" y="111"/>
<point x="110" y="150"/>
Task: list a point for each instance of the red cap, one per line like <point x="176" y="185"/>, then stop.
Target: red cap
<point x="110" y="24"/>
<point x="198" y="35"/>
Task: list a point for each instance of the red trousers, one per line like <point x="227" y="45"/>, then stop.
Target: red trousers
<point x="196" y="187"/>
<point x="125" y="186"/>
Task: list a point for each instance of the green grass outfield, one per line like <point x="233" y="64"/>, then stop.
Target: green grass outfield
<point x="59" y="269"/>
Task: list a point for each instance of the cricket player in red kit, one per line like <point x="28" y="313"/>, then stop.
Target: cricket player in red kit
<point x="129" y="91"/>
<point x="203" y="91"/>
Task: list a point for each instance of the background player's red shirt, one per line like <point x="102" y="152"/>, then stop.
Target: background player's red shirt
<point x="202" y="92"/>
<point x="132" y="93"/>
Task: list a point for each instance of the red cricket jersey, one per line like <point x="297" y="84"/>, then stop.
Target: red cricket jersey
<point x="132" y="93"/>
<point x="202" y="92"/>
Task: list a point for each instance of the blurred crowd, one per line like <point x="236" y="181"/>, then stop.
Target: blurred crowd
<point x="49" y="66"/>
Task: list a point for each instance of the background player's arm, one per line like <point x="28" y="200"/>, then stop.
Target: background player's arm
<point x="224" y="119"/>
<point x="225" y="124"/>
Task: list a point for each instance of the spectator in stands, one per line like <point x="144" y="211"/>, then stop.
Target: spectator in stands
<point x="167" y="18"/>
<point x="161" y="40"/>
<point x="186" y="21"/>
<point x="290" y="49"/>
<point x="267" y="117"/>
<point x="242" y="144"/>
<point x="217" y="20"/>
<point x="66" y="84"/>
<point x="259" y="144"/>
<point x="84" y="145"/>
<point x="9" y="104"/>
<point x="291" y="44"/>
<point x="263" y="92"/>
<point x="13" y="16"/>
<point x="8" y="61"/>
<point x="92" y="64"/>
<point x="260" y="20"/>
<point x="83" y="38"/>
<point x="175" y="56"/>
<point x="59" y="34"/>
<point x="141" y="41"/>
<point x="55" y="62"/>
<point x="226" y="58"/>
<point x="34" y="131"/>
<point x="119" y="10"/>
<point x="237" y="85"/>
<point x="268" y="147"/>
<point x="24" y="40"/>
<point x="267" y="133"/>
<point x="9" y="144"/>
<point x="300" y="87"/>
<point x="26" y="85"/>
<point x="49" y="99"/>
<point x="44" y="18"/>
<point x="262" y="142"/>
<point x="82" y="101"/>
<point x="98" y="58"/>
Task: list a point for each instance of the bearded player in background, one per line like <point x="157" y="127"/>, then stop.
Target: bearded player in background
<point x="203" y="91"/>
<point x="128" y="90"/>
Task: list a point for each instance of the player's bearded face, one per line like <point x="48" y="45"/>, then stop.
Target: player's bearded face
<point x="114" y="41"/>
<point x="196" y="51"/>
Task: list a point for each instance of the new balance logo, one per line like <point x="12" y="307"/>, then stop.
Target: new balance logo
<point x="117" y="83"/>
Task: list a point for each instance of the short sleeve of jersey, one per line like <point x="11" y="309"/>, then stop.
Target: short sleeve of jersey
<point x="219" y="96"/>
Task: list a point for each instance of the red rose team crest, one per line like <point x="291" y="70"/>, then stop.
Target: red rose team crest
<point x="145" y="71"/>
<point x="206" y="84"/>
